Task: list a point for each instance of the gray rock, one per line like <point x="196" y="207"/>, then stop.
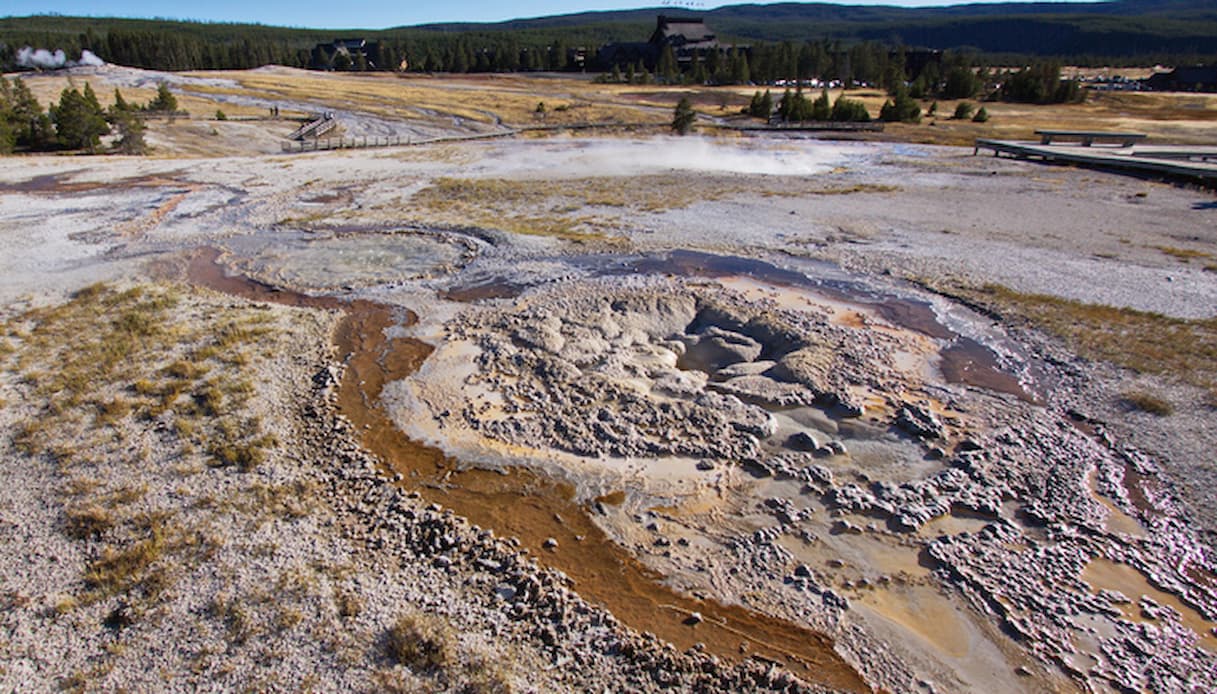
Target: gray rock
<point x="919" y="421"/>
<point x="715" y="348"/>
<point x="802" y="441"/>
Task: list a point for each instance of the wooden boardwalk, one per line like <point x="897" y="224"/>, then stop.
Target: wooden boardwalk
<point x="328" y="143"/>
<point x="1197" y="164"/>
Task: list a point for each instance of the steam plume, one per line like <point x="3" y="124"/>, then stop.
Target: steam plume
<point x="42" y="59"/>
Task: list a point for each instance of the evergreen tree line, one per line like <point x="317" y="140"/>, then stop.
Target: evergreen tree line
<point x="192" y="46"/>
<point x="786" y="39"/>
<point x="76" y="122"/>
<point x="1039" y="83"/>
<point x="795" y="107"/>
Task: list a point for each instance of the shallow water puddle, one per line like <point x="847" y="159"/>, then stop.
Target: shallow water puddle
<point x="925" y="613"/>
<point x="326" y="260"/>
<point x="857" y="555"/>
<point x="1117" y="520"/>
<point x="1104" y="574"/>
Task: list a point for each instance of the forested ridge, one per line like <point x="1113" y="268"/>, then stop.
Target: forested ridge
<point x="1130" y="31"/>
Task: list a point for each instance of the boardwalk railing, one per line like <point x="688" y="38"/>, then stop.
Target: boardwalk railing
<point x="316" y="128"/>
<point x="1186" y="163"/>
<point x="163" y="115"/>
<point x="1089" y="137"/>
<point x="322" y="144"/>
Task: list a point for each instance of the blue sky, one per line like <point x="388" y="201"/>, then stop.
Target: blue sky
<point x="369" y="14"/>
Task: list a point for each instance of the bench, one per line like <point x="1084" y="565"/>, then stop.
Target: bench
<point x="1088" y="138"/>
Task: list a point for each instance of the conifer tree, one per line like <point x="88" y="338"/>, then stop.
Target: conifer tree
<point x="785" y="105"/>
<point x="164" y="100"/>
<point x="901" y="108"/>
<point x="740" y="73"/>
<point x="130" y="133"/>
<point x="821" y="110"/>
<point x="120" y="104"/>
<point x="667" y="67"/>
<point x="683" y="117"/>
<point x="33" y="126"/>
<point x="8" y="125"/>
<point x="91" y="101"/>
<point x="800" y="109"/>
<point x="849" y="111"/>
<point x="700" y="76"/>
<point x="754" y="106"/>
<point x="79" y="120"/>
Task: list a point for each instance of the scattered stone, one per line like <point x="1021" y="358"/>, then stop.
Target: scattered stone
<point x="802" y="441"/>
<point x="918" y="420"/>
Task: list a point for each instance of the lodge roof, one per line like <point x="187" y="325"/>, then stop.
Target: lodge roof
<point x="683" y="31"/>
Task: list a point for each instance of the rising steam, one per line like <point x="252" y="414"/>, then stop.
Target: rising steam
<point x="694" y="154"/>
<point x="42" y="59"/>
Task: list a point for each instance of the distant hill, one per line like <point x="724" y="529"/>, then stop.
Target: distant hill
<point x="1126" y="28"/>
<point x="1141" y="31"/>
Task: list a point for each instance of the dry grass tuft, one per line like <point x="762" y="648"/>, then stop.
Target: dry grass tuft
<point x="88" y="521"/>
<point x="1148" y="402"/>
<point x="1183" y="255"/>
<point x="128" y="567"/>
<point x="348" y="603"/>
<point x="238" y="622"/>
<point x="559" y="208"/>
<point x="421" y="642"/>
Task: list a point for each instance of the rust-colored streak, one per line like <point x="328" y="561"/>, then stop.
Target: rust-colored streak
<point x="521" y="503"/>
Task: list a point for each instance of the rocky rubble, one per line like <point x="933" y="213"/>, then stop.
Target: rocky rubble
<point x="650" y="368"/>
<point x="588" y="646"/>
<point x="662" y="369"/>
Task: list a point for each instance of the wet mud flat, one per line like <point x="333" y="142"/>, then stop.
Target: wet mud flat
<point x="836" y="474"/>
<point x="843" y="459"/>
<point x="741" y="459"/>
<point x="536" y="510"/>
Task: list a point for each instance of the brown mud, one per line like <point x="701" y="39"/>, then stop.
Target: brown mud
<point x="532" y="508"/>
<point x="60" y="183"/>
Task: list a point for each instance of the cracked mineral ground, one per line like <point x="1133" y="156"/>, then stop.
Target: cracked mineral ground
<point x="567" y="414"/>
